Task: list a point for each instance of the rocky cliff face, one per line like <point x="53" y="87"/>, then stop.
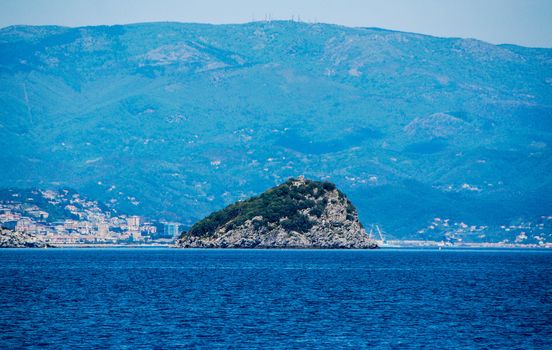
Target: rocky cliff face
<point x="12" y="239"/>
<point x="297" y="214"/>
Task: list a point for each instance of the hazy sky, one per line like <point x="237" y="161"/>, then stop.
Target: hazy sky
<point x="523" y="22"/>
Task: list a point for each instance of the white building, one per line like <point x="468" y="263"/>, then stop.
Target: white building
<point x="133" y="223"/>
<point x="172" y="229"/>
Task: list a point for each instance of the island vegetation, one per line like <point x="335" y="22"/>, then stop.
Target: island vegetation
<point x="289" y="200"/>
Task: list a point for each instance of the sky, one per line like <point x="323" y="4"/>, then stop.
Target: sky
<point x="522" y="22"/>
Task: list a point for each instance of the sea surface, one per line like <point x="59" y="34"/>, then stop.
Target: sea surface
<point x="275" y="299"/>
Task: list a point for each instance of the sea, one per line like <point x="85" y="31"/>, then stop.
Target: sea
<point x="275" y="299"/>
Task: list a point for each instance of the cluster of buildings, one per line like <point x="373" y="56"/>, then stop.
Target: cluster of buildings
<point x="537" y="233"/>
<point x="66" y="218"/>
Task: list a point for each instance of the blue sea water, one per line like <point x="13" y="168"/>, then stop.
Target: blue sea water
<point x="275" y="299"/>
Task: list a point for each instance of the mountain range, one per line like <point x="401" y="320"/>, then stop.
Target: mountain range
<point x="174" y="120"/>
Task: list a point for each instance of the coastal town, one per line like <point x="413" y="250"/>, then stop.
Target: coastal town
<point x="66" y="218"/>
<point x="522" y="233"/>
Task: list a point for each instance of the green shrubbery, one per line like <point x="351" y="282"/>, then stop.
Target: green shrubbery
<point x="297" y="222"/>
<point x="283" y="201"/>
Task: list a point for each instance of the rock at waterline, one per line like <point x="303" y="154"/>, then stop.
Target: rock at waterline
<point x="14" y="239"/>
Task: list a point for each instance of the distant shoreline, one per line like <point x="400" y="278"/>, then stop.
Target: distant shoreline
<point x="464" y="245"/>
<point x="391" y="245"/>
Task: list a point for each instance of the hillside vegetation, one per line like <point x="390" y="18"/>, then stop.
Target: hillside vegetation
<point x="287" y="202"/>
<point x="174" y="121"/>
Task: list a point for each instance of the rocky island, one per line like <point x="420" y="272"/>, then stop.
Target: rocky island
<point x="14" y="239"/>
<point x="299" y="213"/>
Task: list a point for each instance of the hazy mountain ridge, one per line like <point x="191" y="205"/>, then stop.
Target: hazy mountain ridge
<point x="177" y="120"/>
